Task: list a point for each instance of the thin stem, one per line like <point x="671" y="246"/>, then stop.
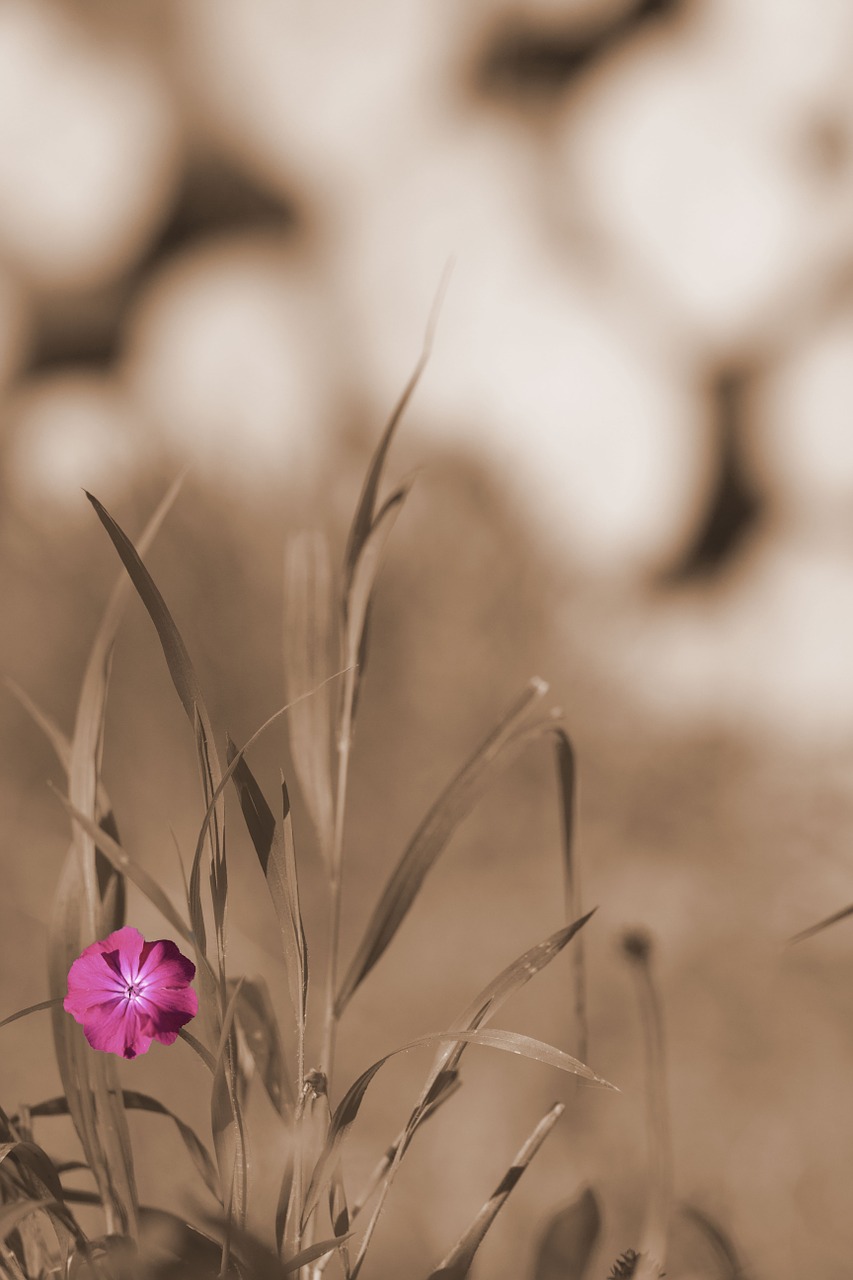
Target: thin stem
<point x="330" y="1022"/>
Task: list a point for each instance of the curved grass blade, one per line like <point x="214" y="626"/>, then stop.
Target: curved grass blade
<point x="348" y="1108"/>
<point x="33" y="1008"/>
<point x="307" y="635"/>
<point x="724" y="1249"/>
<point x="457" y="1263"/>
<point x="445" y="1069"/>
<point x="567" y="1246"/>
<point x="135" y="1101"/>
<point x="313" y="1252"/>
<point x="364" y="575"/>
<point x="363" y="519"/>
<point x="429" y="841"/>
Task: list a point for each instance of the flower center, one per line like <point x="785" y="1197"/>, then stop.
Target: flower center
<point x="132" y="991"/>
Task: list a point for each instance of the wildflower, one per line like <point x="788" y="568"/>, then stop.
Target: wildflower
<point x="126" y="992"/>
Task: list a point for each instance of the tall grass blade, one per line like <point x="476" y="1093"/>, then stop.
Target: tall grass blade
<point x="274" y="846"/>
<point x="430" y="840"/>
<point x="457" y="1264"/>
<point x="348" y="1108"/>
<point x="189" y="692"/>
<point x="226" y="1115"/>
<point x="567" y="780"/>
<point x="637" y="948"/>
<point x="307" y="632"/>
<point x="570" y="1240"/>
<point x="366" y="507"/>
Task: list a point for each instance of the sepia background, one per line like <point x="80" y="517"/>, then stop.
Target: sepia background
<point x="222" y="228"/>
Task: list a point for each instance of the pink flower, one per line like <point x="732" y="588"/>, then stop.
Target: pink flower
<point x="126" y="992"/>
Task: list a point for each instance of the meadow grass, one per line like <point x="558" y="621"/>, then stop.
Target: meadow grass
<point x="239" y="1034"/>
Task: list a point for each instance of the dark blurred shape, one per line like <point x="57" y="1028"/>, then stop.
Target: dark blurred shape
<point x="88" y="329"/>
<point x="725" y="1253"/>
<point x="735" y="505"/>
<point x="215" y="197"/>
<point x="637" y="945"/>
<point x="526" y="60"/>
<point x="570" y="1240"/>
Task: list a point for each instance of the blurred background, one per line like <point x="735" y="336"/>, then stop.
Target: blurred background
<point x="222" y="227"/>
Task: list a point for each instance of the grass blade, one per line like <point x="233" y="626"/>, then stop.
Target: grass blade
<point x="567" y="781"/>
<point x="135" y="1101"/>
<point x="429" y="841"/>
<point x="277" y="855"/>
<point x="226" y="1115"/>
<point x="637" y="948"/>
<point x="445" y="1069"/>
<point x="307" y="633"/>
<point x="33" y="1008"/>
<point x="569" y="1241"/>
<point x="260" y="1051"/>
<point x="365" y="510"/>
<point x="189" y="692"/>
<point x="457" y="1263"/>
<point x="348" y="1108"/>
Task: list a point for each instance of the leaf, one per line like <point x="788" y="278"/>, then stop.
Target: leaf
<point x="135" y="1101"/>
<point x="307" y="633"/>
<point x="568" y="1243"/>
<point x="430" y="840"/>
<point x="276" y="853"/>
<point x="259" y="1040"/>
<point x="457" y="1263"/>
<point x="189" y="692"/>
<point x="12" y="1214"/>
<point x="348" y="1108"/>
<point x="313" y="1252"/>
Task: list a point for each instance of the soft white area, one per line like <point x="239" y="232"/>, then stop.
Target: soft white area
<point x="87" y="148"/>
<point x="226" y="359"/>
<point x="69" y="431"/>
<point x="803" y="437"/>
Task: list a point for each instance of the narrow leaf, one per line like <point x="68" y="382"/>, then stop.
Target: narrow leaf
<point x="33" y="1008"/>
<point x="348" y="1108"/>
<point x="135" y="1101"/>
<point x="430" y="840"/>
<point x="307" y="635"/>
<point x="457" y="1263"/>
<point x="275" y="849"/>
<point x="259" y="1045"/>
<point x="813" y="929"/>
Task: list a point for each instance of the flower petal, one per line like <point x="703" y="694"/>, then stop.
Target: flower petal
<point x="90" y="982"/>
<point x="118" y="1027"/>
<point x="162" y="965"/>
